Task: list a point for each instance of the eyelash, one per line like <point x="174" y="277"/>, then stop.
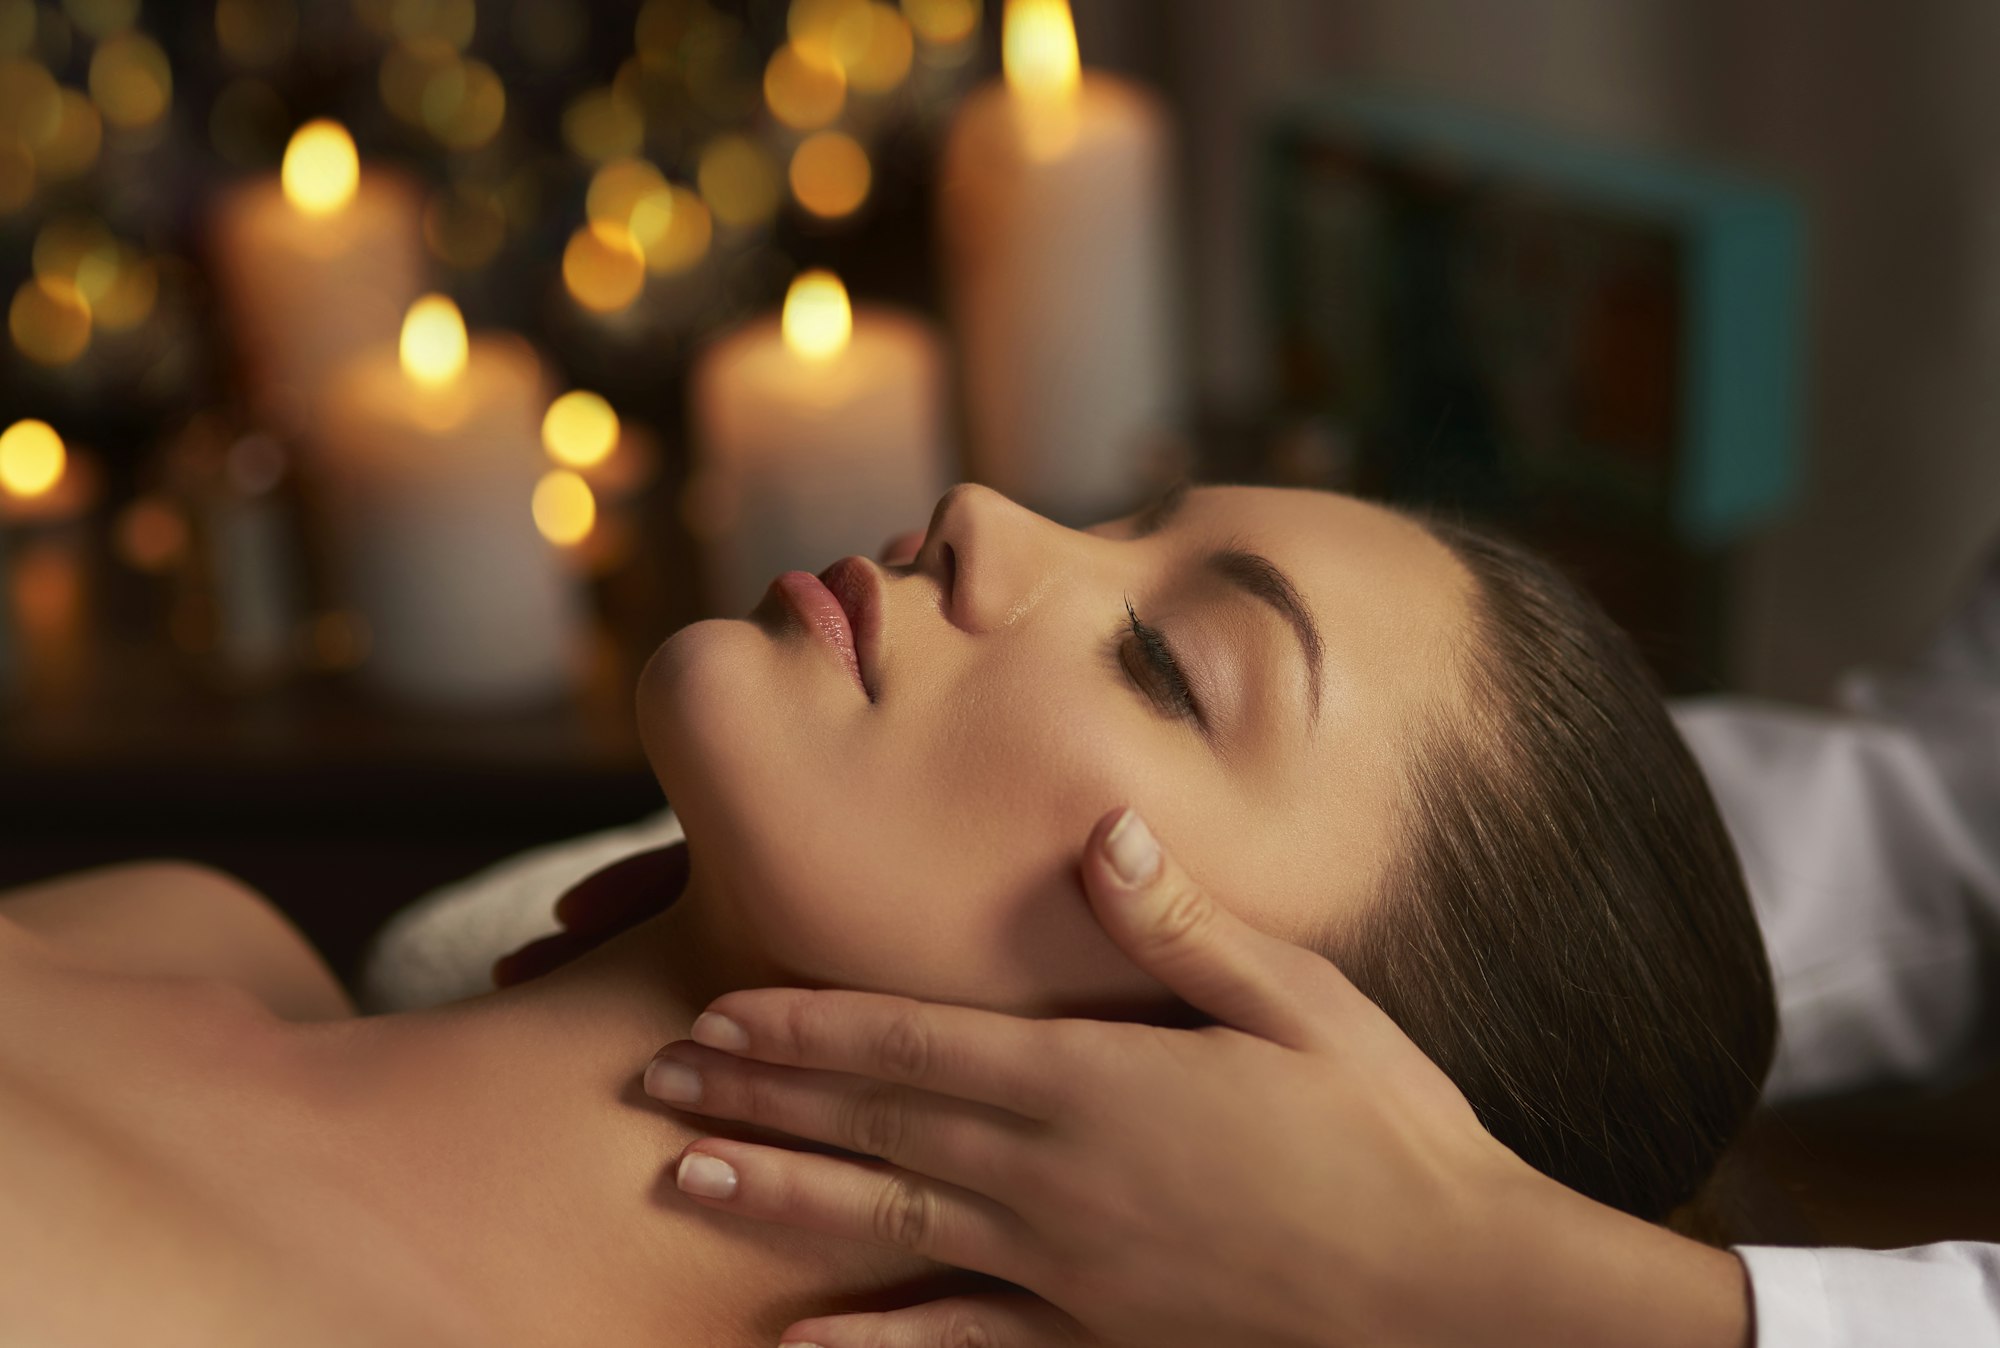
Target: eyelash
<point x="1171" y="692"/>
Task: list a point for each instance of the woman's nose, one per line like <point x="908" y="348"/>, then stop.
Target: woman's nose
<point x="991" y="558"/>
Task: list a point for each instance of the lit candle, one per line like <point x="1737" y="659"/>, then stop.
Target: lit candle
<point x="314" y="263"/>
<point x="46" y="491"/>
<point x="430" y="458"/>
<point x="820" y="434"/>
<point x="1054" y="222"/>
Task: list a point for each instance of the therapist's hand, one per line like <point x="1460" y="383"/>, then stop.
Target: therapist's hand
<point x="1300" y="1174"/>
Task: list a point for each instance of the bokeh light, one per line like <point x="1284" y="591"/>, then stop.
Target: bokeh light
<point x="449" y="21"/>
<point x="738" y="181"/>
<point x="256" y="33"/>
<point x="564" y="507"/>
<point x="130" y="80"/>
<point x="465" y="225"/>
<point x="830" y="174"/>
<point x="883" y="57"/>
<point x="32" y="458"/>
<point x="150" y="535"/>
<point x="943" y="23"/>
<point x="321" y="170"/>
<point x="30" y="101"/>
<point x="602" y="124"/>
<point x="618" y="188"/>
<point x="49" y="320"/>
<point x="101" y="18"/>
<point x="463" y="104"/>
<point x="433" y="343"/>
<point x="674" y="233"/>
<point x="603" y="267"/>
<point x="78" y="249"/>
<point x="72" y="147"/>
<point x="580" y="429"/>
<point x="804" y="90"/>
<point x="406" y="74"/>
<point x="817" y="321"/>
<point x="128" y="301"/>
<point x="17" y="26"/>
<point x="17" y="175"/>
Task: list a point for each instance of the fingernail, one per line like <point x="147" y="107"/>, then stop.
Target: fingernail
<point x="706" y="1176"/>
<point x="1134" y="852"/>
<point x="719" y="1031"/>
<point x="674" y="1082"/>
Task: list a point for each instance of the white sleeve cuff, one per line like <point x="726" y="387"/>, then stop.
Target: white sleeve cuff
<point x="1944" y="1295"/>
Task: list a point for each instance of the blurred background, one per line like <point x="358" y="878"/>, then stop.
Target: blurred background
<point x="384" y="379"/>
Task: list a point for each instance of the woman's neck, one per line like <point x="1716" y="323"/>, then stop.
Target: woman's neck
<point x="558" y="1192"/>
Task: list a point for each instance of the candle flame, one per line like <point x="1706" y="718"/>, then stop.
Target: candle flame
<point x="1038" y="49"/>
<point x="321" y="170"/>
<point x="32" y="458"/>
<point x="564" y="507"/>
<point x="433" y="343"/>
<point x="580" y="429"/>
<point x="818" y="321"/>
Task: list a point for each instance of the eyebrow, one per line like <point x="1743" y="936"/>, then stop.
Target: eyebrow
<point x="1256" y="575"/>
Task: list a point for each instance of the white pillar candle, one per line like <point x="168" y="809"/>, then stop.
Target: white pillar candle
<point x="430" y="454"/>
<point x="314" y="264"/>
<point x="1054" y="221"/>
<point x="821" y="435"/>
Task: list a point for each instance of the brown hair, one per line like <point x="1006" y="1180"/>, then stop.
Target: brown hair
<point x="1567" y="932"/>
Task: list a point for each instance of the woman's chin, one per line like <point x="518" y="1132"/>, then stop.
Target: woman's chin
<point x="689" y="697"/>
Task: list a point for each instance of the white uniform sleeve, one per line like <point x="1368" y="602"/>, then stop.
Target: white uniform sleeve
<point x="1940" y="1296"/>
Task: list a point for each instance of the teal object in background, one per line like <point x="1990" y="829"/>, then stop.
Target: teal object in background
<point x="1410" y="188"/>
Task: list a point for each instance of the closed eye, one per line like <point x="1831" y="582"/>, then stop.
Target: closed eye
<point x="1149" y="662"/>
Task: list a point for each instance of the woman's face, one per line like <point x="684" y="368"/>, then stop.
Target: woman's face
<point x="918" y="830"/>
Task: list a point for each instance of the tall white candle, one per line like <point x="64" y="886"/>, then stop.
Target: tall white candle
<point x="1054" y="220"/>
<point x="314" y="264"/>
<point x="430" y="457"/>
<point x="821" y="434"/>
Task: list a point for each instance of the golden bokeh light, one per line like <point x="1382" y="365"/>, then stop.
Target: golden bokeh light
<point x="130" y="80"/>
<point x="738" y="181"/>
<point x="151" y="535"/>
<point x="406" y="74"/>
<point x="1038" y="49"/>
<point x="817" y="321"/>
<point x="433" y="343"/>
<point x="80" y="250"/>
<point x="830" y="31"/>
<point x="805" y="90"/>
<point x="30" y="102"/>
<point x="465" y="226"/>
<point x="883" y="57"/>
<point x="602" y="124"/>
<point x="449" y="21"/>
<point x="619" y="187"/>
<point x="32" y="458"/>
<point x="72" y="147"/>
<point x="321" y="169"/>
<point x="674" y="232"/>
<point x="603" y="267"/>
<point x="17" y="175"/>
<point x="49" y="320"/>
<point x="564" y="507"/>
<point x="128" y="301"/>
<point x="943" y="23"/>
<point x="256" y="33"/>
<point x="101" y="18"/>
<point x="830" y="174"/>
<point x="580" y="429"/>
<point x="463" y="104"/>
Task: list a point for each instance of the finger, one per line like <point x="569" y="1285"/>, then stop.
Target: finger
<point x="993" y="1320"/>
<point x="855" y="1200"/>
<point x="626" y="892"/>
<point x="1213" y="959"/>
<point x="995" y="1059"/>
<point x="959" y="1141"/>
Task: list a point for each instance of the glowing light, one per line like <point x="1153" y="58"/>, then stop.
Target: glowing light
<point x="1038" y="49"/>
<point x="603" y="267"/>
<point x="738" y="181"/>
<point x="830" y="174"/>
<point x="78" y="249"/>
<point x="883" y="56"/>
<point x="321" y="170"/>
<point x="580" y="429"/>
<point x="463" y="104"/>
<point x="818" y="322"/>
<point x="129" y="299"/>
<point x="620" y="187"/>
<point x="564" y="507"/>
<point x="102" y="18"/>
<point x="804" y="89"/>
<point x="674" y="232"/>
<point x="943" y="23"/>
<point x="130" y="80"/>
<point x="151" y="535"/>
<point x="407" y="71"/>
<point x="448" y="21"/>
<point x="433" y="345"/>
<point x="30" y="101"/>
<point x="832" y="32"/>
<point x="602" y="124"/>
<point x="49" y="320"/>
<point x="32" y="458"/>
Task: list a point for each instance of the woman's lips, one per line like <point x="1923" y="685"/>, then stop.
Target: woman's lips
<point x="836" y="608"/>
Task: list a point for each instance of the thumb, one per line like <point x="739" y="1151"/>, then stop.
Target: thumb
<point x="1169" y="927"/>
<point x="993" y="1320"/>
